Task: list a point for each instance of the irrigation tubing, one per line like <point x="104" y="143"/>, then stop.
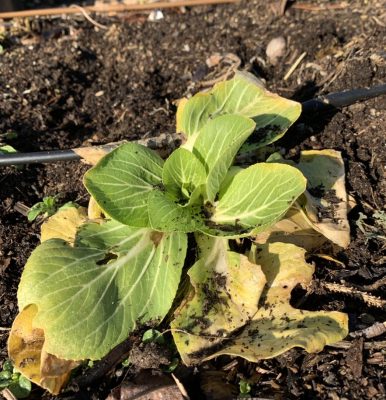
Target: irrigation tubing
<point x="331" y="101"/>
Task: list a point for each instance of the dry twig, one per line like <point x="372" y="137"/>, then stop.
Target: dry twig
<point x="107" y="8"/>
<point x="233" y="63"/>
<point x="295" y="65"/>
<point x="345" y="344"/>
<point x="376" y="285"/>
<point x="371" y="301"/>
<point x="323" y="7"/>
<point x="377" y="329"/>
<point x="87" y="16"/>
<point x="8" y="395"/>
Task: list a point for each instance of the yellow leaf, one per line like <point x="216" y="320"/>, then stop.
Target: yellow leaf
<point x="326" y="197"/>
<point x="219" y="302"/>
<point x="26" y="350"/>
<point x="64" y="224"/>
<point x="321" y="211"/>
<point x="332" y="259"/>
<point x="271" y="326"/>
<point x="91" y="155"/>
<point x="294" y="228"/>
<point x="181" y="104"/>
<point x="93" y="210"/>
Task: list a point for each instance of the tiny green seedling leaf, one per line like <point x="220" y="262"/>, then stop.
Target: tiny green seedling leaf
<point x="245" y="387"/>
<point x="122" y="181"/>
<point x="153" y="336"/>
<point x="126" y="363"/>
<point x="172" y="366"/>
<point x="21" y="387"/>
<point x="376" y="231"/>
<point x="15" y="382"/>
<point x="47" y="207"/>
<point x="7" y="149"/>
<point x="10" y="135"/>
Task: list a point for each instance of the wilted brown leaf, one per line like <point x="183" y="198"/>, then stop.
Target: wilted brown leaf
<point x="26" y="350"/>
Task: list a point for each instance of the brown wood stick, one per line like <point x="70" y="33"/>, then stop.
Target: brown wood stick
<point x="324" y="7"/>
<point x="110" y="8"/>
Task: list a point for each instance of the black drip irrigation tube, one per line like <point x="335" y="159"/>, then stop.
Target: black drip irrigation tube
<point x="322" y="103"/>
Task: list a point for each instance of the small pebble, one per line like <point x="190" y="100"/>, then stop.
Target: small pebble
<point x="275" y="49"/>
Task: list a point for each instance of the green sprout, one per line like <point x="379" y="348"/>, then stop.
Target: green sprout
<point x="245" y="388"/>
<point x="47" y="207"/>
<point x="12" y="380"/>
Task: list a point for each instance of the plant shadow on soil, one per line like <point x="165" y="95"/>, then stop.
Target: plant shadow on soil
<point x="50" y="75"/>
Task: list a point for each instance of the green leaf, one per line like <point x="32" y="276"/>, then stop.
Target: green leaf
<point x="231" y="314"/>
<point x="273" y="114"/>
<point x="8" y="366"/>
<point x="168" y="216"/>
<point x="10" y="135"/>
<point x="245" y="387"/>
<point x="21" y="388"/>
<point x="216" y="146"/>
<point x="153" y="336"/>
<point x="258" y="196"/>
<point x="4" y="383"/>
<point x="182" y="174"/>
<point x="38" y="209"/>
<point x="232" y="172"/>
<point x="48" y="206"/>
<point x="7" y="149"/>
<point x="4" y="375"/>
<point x="122" y="181"/>
<point x="172" y="366"/>
<point x="92" y="295"/>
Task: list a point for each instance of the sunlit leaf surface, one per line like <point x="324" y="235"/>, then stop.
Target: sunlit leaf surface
<point x="90" y="296"/>
<point x="234" y="319"/>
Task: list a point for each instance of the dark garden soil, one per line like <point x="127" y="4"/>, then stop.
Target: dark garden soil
<point x="66" y="83"/>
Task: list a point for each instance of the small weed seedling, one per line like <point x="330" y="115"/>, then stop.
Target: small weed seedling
<point x="96" y="277"/>
<point x="12" y="379"/>
<point x="46" y="208"/>
<point x="244" y="388"/>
